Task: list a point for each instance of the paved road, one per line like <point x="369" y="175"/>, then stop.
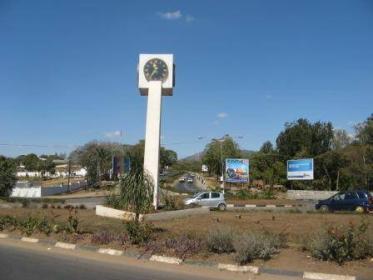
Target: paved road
<point x="20" y="261"/>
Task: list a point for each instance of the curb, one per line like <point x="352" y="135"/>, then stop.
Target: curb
<point x="29" y="240"/>
<point x="67" y="246"/>
<point x="164" y="259"/>
<point x="239" y="268"/>
<point x="177" y="261"/>
<point x="324" y="276"/>
<point x="3" y="235"/>
<point x="111" y="252"/>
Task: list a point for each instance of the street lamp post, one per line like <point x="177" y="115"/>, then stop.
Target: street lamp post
<point x="221" y="140"/>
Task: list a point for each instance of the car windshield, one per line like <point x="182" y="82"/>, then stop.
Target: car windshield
<point x="197" y="194"/>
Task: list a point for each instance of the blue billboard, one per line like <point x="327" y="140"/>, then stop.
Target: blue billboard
<point x="300" y="169"/>
<point x="236" y="170"/>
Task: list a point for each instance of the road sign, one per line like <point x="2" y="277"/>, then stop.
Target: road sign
<point x="300" y="169"/>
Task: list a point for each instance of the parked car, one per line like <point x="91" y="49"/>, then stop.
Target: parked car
<point x="190" y="180"/>
<point x="359" y="201"/>
<point x="182" y="179"/>
<point x="210" y="199"/>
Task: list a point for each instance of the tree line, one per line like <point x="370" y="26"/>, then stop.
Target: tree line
<point x="341" y="161"/>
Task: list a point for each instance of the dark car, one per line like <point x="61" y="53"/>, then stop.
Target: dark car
<point x="359" y="201"/>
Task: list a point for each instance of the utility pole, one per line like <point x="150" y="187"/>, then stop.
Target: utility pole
<point x="68" y="176"/>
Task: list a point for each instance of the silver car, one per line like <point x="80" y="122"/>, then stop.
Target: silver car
<point x="209" y="199"/>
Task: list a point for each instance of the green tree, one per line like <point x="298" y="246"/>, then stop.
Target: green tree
<point x="304" y="139"/>
<point x="30" y="161"/>
<point x="7" y="175"/>
<point x="217" y="151"/>
<point x="364" y="131"/>
<point x="341" y="139"/>
<point x="96" y="157"/>
<point x="267" y="148"/>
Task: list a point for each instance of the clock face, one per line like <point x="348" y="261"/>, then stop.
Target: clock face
<point x="156" y="70"/>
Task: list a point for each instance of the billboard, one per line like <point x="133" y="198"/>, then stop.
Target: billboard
<point x="300" y="169"/>
<point x="120" y="165"/>
<point x="236" y="170"/>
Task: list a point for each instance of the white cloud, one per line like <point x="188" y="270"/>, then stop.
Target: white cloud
<point x="171" y="15"/>
<point x="222" y="115"/>
<point x="189" y="18"/>
<point x="113" y="134"/>
<point x="176" y="15"/>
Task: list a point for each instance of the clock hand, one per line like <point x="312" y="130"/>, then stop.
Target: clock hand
<point x="154" y="70"/>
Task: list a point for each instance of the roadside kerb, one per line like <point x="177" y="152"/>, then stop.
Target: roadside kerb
<point x="324" y="276"/>
<point x="29" y="240"/>
<point x="111" y="252"/>
<point x="164" y="259"/>
<point x="239" y="268"/>
<point x="67" y="246"/>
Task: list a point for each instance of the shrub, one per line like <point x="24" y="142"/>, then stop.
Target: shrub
<point x="172" y="202"/>
<point x="8" y="222"/>
<point x="184" y="245"/>
<point x="25" y="203"/>
<point x="103" y="237"/>
<point x="220" y="240"/>
<point x="44" y="206"/>
<point x="44" y="226"/>
<point x="341" y="243"/>
<point x="72" y="222"/>
<point x="257" y="246"/>
<point x="82" y="207"/>
<point x="29" y="225"/>
<point x="138" y="233"/>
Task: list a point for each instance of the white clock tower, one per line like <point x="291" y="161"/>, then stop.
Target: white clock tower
<point x="156" y="78"/>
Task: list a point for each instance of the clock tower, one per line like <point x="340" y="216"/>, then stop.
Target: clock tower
<point x="156" y="79"/>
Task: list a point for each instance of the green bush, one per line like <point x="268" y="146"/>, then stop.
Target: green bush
<point x="257" y="246"/>
<point x="72" y="222"/>
<point x="29" y="225"/>
<point x="341" y="243"/>
<point x="246" y="194"/>
<point x="139" y="233"/>
<point x="8" y="222"/>
<point x="220" y="240"/>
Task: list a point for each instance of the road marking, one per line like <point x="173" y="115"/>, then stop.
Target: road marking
<point x="110" y="252"/>
<point x="324" y="276"/>
<point x="239" y="268"/>
<point x="155" y="258"/>
<point x="67" y="246"/>
<point x="30" y="240"/>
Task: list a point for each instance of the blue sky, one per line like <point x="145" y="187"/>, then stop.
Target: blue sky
<point x="68" y="69"/>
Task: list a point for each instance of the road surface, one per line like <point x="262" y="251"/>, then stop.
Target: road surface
<point x="19" y="261"/>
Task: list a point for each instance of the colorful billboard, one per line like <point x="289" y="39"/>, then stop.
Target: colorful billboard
<point x="236" y="170"/>
<point x="300" y="169"/>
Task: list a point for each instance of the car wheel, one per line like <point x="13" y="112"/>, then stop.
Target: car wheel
<point x="222" y="207"/>
<point x="324" y="209"/>
<point x="359" y="209"/>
